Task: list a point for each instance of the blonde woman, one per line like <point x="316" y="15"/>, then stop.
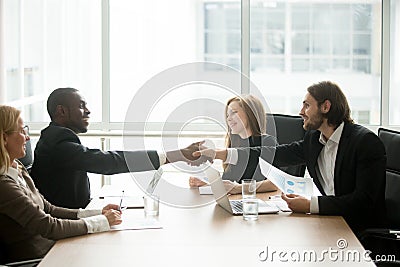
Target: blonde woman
<point x="246" y="123"/>
<point x="29" y="223"/>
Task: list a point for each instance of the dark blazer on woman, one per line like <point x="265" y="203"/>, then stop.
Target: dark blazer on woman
<point x="253" y="170"/>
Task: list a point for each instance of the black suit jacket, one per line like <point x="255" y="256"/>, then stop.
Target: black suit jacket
<point x="61" y="164"/>
<point x="359" y="175"/>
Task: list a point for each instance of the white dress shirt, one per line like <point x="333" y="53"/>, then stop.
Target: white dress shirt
<point x="162" y="158"/>
<point x="15" y="174"/>
<point x="326" y="165"/>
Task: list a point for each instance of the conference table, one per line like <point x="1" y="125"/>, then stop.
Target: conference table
<point x="201" y="233"/>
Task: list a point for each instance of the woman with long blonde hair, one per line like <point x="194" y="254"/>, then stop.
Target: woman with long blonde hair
<point x="29" y="223"/>
<point x="246" y="123"/>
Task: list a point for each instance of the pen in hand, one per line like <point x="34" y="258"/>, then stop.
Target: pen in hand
<point x="275" y="197"/>
<point x="120" y="203"/>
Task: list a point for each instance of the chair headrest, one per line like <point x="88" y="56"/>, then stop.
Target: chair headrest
<point x="288" y="128"/>
<point x="391" y="141"/>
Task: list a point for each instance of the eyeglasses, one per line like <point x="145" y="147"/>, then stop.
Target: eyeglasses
<point x="24" y="130"/>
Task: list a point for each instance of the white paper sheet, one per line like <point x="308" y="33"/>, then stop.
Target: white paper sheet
<point x="129" y="223"/>
<point x="205" y="190"/>
<point x="287" y="183"/>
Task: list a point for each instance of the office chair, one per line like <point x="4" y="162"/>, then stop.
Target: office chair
<point x="287" y="130"/>
<point x="25" y="263"/>
<point x="381" y="241"/>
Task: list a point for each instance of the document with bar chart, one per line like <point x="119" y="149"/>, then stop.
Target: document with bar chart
<point x="287" y="183"/>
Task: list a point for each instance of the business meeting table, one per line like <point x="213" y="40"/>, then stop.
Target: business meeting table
<point x="207" y="235"/>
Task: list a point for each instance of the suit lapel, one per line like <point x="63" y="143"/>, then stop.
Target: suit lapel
<point x="316" y="148"/>
<point x="343" y="144"/>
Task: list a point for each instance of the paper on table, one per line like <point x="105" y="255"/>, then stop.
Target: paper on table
<point x="129" y="223"/>
<point x="205" y="190"/>
<point x="287" y="183"/>
<point x="280" y="204"/>
<point x="203" y="179"/>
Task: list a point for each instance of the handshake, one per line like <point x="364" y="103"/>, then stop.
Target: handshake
<point x="195" y="154"/>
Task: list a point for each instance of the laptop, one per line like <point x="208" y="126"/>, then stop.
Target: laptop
<point x="234" y="207"/>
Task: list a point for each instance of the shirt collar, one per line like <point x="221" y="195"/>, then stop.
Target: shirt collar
<point x="335" y="137"/>
<point x="11" y="172"/>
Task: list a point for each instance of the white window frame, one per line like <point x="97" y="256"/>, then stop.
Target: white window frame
<point x="106" y="125"/>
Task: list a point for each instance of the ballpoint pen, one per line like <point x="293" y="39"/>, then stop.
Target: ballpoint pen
<point x="120" y="203"/>
<point x="275" y="197"/>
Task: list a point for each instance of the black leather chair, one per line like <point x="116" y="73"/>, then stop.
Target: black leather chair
<point x="3" y="253"/>
<point x="26" y="263"/>
<point x="287" y="129"/>
<point x="382" y="241"/>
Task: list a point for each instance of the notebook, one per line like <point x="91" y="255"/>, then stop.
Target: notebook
<point x="234" y="207"/>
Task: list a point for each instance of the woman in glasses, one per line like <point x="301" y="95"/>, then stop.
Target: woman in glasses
<point x="29" y="223"/>
<point x="246" y="121"/>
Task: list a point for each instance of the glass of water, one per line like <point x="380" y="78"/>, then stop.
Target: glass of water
<point x="250" y="209"/>
<point x="151" y="205"/>
<point x="249" y="200"/>
<point x="248" y="188"/>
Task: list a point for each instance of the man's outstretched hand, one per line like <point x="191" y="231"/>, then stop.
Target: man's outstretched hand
<point x="189" y="156"/>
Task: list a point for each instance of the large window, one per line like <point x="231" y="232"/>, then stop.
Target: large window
<point x="148" y="37"/>
<point x="394" y="110"/>
<point x="303" y="42"/>
<point x="109" y="49"/>
<point x="222" y="33"/>
<point x="50" y="44"/>
<point x="296" y="43"/>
